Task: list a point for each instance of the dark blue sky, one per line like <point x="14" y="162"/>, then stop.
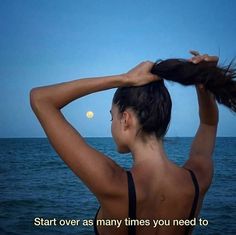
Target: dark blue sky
<point x="44" y="42"/>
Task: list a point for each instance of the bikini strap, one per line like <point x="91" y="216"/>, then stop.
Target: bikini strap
<point x="195" y="200"/>
<point x="95" y="222"/>
<point x="132" y="202"/>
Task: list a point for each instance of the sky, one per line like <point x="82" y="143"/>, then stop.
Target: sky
<point x="47" y="42"/>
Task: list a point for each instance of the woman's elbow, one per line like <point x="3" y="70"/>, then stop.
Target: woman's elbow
<point x="36" y="98"/>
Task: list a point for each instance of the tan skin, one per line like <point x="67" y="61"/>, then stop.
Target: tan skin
<point x="163" y="189"/>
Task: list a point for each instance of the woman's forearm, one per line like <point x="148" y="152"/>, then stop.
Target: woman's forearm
<point x="61" y="94"/>
<point x="208" y="110"/>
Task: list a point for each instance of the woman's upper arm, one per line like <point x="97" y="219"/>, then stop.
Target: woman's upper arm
<point x="204" y="141"/>
<point x="96" y="170"/>
<point x="200" y="157"/>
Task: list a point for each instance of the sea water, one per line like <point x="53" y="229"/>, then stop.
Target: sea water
<point x="36" y="185"/>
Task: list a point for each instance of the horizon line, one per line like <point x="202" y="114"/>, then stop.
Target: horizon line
<point x="109" y="137"/>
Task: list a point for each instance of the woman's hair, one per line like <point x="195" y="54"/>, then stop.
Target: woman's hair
<point x="218" y="80"/>
<point x="152" y="103"/>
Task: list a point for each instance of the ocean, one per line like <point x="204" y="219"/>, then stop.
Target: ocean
<point x="35" y="184"/>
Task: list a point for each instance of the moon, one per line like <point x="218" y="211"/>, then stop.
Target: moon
<point x="89" y="114"/>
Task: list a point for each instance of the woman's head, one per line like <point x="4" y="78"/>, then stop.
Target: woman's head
<point x="151" y="104"/>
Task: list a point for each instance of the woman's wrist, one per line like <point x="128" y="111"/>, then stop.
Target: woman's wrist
<point x="121" y="80"/>
<point x="208" y="110"/>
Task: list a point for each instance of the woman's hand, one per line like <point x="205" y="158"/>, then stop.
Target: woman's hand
<point x="197" y="58"/>
<point x="141" y="75"/>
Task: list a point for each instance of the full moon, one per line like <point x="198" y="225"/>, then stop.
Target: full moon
<point x="89" y="114"/>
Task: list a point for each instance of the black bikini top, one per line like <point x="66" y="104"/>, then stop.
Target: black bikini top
<point x="132" y="203"/>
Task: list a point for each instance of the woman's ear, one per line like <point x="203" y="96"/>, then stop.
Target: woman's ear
<point x="126" y="119"/>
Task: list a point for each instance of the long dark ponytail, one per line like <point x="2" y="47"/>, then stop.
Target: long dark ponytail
<point x="218" y="80"/>
<point x="152" y="102"/>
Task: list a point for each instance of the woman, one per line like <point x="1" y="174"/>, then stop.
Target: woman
<point x="155" y="188"/>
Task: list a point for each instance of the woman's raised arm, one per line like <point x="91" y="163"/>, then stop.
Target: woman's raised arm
<point x="200" y="157"/>
<point x="97" y="171"/>
<point x="93" y="167"/>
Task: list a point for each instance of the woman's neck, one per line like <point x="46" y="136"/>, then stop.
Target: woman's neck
<point x="150" y="151"/>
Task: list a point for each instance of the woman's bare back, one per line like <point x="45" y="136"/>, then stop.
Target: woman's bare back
<point x="163" y="204"/>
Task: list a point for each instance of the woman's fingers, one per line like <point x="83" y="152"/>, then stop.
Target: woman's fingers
<point x="141" y="74"/>
<point x="197" y="58"/>
<point x="211" y="58"/>
<point x="193" y="52"/>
